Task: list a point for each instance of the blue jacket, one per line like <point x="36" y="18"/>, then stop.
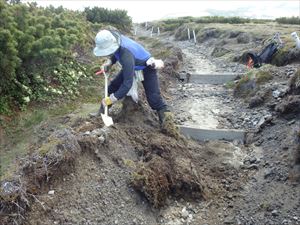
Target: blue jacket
<point x="139" y="53"/>
<point x="132" y="56"/>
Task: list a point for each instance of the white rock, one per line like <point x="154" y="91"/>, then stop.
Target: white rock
<point x="175" y="222"/>
<point x="276" y="93"/>
<point x="101" y="139"/>
<point x="190" y="218"/>
<point x="51" y="192"/>
<point x="184" y="213"/>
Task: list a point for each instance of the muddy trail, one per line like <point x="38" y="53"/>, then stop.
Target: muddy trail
<point x="132" y="173"/>
<point x="271" y="148"/>
<point x="269" y="196"/>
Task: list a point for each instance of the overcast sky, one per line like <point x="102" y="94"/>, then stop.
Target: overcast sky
<point x="141" y="10"/>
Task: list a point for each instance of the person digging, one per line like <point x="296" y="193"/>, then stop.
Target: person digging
<point x="133" y="57"/>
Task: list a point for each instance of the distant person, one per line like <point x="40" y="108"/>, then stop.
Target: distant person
<point x="132" y="57"/>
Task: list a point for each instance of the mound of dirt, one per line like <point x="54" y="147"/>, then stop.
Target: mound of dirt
<point x="52" y="159"/>
<point x="243" y="38"/>
<point x="294" y="83"/>
<point x="286" y="55"/>
<point x="219" y="51"/>
<point x="290" y="105"/>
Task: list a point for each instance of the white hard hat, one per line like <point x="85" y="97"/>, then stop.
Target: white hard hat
<point x="106" y="43"/>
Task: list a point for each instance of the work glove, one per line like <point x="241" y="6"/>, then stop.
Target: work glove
<point x="108" y="101"/>
<point x="155" y="63"/>
<point x="107" y="65"/>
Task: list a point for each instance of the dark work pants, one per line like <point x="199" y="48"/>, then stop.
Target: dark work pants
<point x="150" y="84"/>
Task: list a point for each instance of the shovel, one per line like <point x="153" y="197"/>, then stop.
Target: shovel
<point x="107" y="120"/>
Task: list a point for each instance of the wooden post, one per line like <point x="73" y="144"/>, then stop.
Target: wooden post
<point x="135" y="31"/>
<point x="158" y="32"/>
<point x="195" y="40"/>
<point x="189" y="34"/>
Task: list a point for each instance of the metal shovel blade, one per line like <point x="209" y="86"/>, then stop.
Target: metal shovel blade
<point x="107" y="120"/>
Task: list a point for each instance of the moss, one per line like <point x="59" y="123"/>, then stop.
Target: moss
<point x="297" y="77"/>
<point x="208" y="33"/>
<point x="181" y="33"/>
<point x="294" y="83"/>
<point x="156" y="44"/>
<point x="230" y="85"/>
<point x="129" y="163"/>
<point x="138" y="177"/>
<point x="142" y="38"/>
<point x="47" y="147"/>
<point x="281" y="57"/>
<point x="9" y="173"/>
<point x="219" y="51"/>
<point x="151" y="179"/>
<point x="162" y="54"/>
<point x="248" y="76"/>
<point x="263" y="76"/>
<point x="169" y="127"/>
<point x="264" y="205"/>
<point x="246" y="85"/>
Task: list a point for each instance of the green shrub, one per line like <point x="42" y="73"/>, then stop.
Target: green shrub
<point x="221" y="19"/>
<point x="34" y="42"/>
<point x="263" y="76"/>
<point x="118" y="18"/>
<point x="288" y="20"/>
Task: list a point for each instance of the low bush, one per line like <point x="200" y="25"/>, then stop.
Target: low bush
<point x="288" y="20"/>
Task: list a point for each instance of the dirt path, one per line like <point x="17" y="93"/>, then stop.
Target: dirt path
<point x="199" y="104"/>
<point x="268" y="197"/>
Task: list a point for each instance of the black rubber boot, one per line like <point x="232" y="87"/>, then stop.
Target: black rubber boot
<point x="162" y="115"/>
<point x="167" y="124"/>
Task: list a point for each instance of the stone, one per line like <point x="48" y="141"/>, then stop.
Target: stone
<point x="268" y="173"/>
<point x="190" y="218"/>
<point x="252" y="160"/>
<point x="275" y="213"/>
<point x="295" y="218"/>
<point x="276" y="93"/>
<point x="184" y="213"/>
<point x="289" y="105"/>
<point x="229" y="220"/>
<point x="291" y="122"/>
<point x="253" y="167"/>
<point x="255" y="101"/>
